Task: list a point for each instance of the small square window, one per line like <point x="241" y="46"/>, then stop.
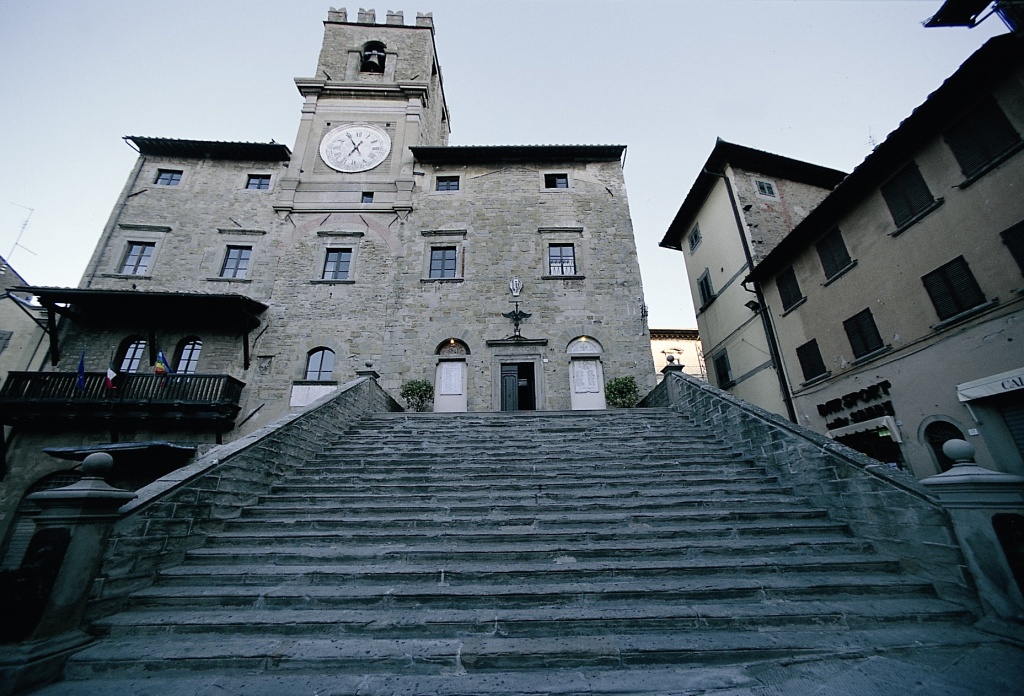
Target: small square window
<point x="236" y="262"/>
<point x="863" y="333"/>
<point x="337" y="264"/>
<point x="907" y="195"/>
<point x="833" y="254"/>
<point x="561" y="259"/>
<point x="367" y="197"/>
<point x="810" y="360"/>
<point x="953" y="288"/>
<point x="765" y="188"/>
<point x="723" y="371"/>
<point x="258" y="182"/>
<point x="556" y="181"/>
<point x="789" y="289"/>
<point x="136" y="259"/>
<point x="168" y="177"/>
<point x="442" y="262"/>
<point x="447" y="183"/>
<point x="694" y="237"/>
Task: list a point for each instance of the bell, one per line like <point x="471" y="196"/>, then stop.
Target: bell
<point x="373" y="62"/>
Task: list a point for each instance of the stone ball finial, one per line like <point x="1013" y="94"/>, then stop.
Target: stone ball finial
<point x="97" y="464"/>
<point x="369" y="364"/>
<point x="960" y="451"/>
<point x="670" y="359"/>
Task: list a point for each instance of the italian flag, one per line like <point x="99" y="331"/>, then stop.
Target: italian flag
<point x="110" y="376"/>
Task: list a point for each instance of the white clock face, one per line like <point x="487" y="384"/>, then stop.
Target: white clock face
<point x="355" y="148"/>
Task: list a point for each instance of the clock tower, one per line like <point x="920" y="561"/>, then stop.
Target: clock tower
<point x="376" y="93"/>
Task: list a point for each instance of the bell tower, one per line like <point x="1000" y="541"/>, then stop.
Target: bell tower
<point x="377" y="92"/>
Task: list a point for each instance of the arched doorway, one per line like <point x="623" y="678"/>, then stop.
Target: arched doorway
<point x="451" y="376"/>
<point x="586" y="376"/>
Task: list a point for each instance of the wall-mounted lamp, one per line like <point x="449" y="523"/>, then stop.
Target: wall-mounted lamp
<point x="753" y="306"/>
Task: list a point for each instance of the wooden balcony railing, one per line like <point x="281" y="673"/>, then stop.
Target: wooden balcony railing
<point x="196" y="399"/>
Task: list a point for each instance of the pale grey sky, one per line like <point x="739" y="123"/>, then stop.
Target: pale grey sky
<point x="812" y="79"/>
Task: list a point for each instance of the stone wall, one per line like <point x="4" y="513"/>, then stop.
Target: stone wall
<point x="175" y="513"/>
<point x="883" y="505"/>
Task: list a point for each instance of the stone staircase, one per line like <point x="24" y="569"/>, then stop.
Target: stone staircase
<point x="593" y="552"/>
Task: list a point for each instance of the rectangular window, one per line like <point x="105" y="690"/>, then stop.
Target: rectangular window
<point x="5" y="339"/>
<point x="833" y="254"/>
<point x="981" y="137"/>
<point x="236" y="262"/>
<point x="168" y="177"/>
<point x="367" y="197"/>
<point x="136" y="259"/>
<point x="447" y="183"/>
<point x="707" y="293"/>
<point x="810" y="360"/>
<point x="765" y="188"/>
<point x="694" y="237"/>
<point x="337" y="264"/>
<point x="258" y="182"/>
<point x="953" y="289"/>
<point x="1013" y="238"/>
<point x="789" y="289"/>
<point x="561" y="259"/>
<point x="723" y="371"/>
<point x="863" y="334"/>
<point x="442" y="262"/>
<point x="560" y="181"/>
<point x="907" y="195"/>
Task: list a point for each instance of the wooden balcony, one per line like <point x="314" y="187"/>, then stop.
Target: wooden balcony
<point x="196" y="401"/>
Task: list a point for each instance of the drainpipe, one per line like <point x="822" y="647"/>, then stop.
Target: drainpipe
<point x="769" y="333"/>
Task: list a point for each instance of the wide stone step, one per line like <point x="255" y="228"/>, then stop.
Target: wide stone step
<point x="288" y="504"/>
<point x="670" y="468"/>
<point x="585" y="519"/>
<point x="655" y="590"/>
<point x="264" y="534"/>
<point x="453" y="553"/>
<point x="527" y="622"/>
<point x="284" y="653"/>
<point x="517" y="572"/>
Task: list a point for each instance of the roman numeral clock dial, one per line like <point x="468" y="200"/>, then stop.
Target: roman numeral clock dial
<point x="355" y="148"/>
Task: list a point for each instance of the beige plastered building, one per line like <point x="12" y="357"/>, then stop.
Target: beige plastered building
<point x="898" y="301"/>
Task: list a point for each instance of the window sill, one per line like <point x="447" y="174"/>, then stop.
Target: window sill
<point x="332" y="281"/>
<point x="314" y="382"/>
<point x="441" y="280"/>
<point x="221" y="279"/>
<point x="868" y="357"/>
<point x="134" y="276"/>
<point x="840" y="273"/>
<point x="793" y="306"/>
<point x="966" y="314"/>
<point x="817" y="378"/>
<point x="918" y="217"/>
<point x="707" y="304"/>
<point x="563" y="277"/>
<point x="991" y="164"/>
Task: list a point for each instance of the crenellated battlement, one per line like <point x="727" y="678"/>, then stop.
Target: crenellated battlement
<point x="423" y="19"/>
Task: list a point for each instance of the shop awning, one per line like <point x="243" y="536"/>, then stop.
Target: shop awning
<point x="994" y="385"/>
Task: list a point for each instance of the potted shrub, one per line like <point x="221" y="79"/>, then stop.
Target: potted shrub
<point x="622" y="392"/>
<point x="418" y="394"/>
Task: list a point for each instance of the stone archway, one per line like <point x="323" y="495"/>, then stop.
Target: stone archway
<point x="586" y="375"/>
<point x="451" y="377"/>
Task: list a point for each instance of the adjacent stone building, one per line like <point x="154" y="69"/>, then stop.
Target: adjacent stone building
<point x="743" y="202"/>
<point x="235" y="281"/>
<point x="898" y="301"/>
<point x="683" y="347"/>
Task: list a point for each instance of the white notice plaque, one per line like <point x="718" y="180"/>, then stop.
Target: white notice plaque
<point x="585" y="373"/>
<point x="451" y="377"/>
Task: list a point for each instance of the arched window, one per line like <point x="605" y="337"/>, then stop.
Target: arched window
<point x="187" y="358"/>
<point x="938" y="433"/>
<point x="373" y="57"/>
<point x="320" y="364"/>
<point x="130" y="354"/>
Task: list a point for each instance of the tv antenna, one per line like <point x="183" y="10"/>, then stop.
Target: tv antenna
<point x="17" y="242"/>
